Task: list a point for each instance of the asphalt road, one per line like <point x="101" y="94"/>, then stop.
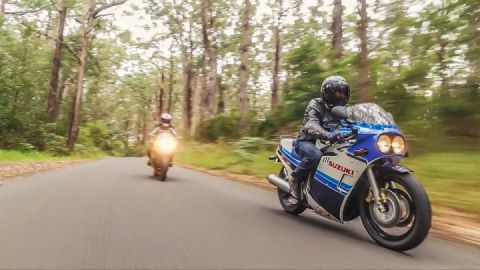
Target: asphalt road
<point x="112" y="214"/>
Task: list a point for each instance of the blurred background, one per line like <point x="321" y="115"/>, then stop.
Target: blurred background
<point x="89" y="78"/>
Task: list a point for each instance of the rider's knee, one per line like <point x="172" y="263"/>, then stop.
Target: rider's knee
<point x="313" y="159"/>
<point x="316" y="155"/>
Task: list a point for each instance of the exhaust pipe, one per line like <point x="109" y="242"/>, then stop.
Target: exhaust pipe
<point x="279" y="182"/>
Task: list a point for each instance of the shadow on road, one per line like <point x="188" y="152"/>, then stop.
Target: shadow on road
<point x="321" y="224"/>
<point x="169" y="178"/>
<point x="342" y="230"/>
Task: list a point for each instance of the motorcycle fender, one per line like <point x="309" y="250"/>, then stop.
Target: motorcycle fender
<point x="388" y="167"/>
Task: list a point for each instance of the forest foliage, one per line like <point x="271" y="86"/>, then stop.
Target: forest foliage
<point x="227" y="69"/>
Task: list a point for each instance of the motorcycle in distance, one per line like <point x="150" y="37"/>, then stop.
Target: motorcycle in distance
<point x="361" y="176"/>
<point x="163" y="147"/>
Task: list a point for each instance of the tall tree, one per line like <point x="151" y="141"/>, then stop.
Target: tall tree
<point x="161" y="94"/>
<point x="277" y="45"/>
<point x="57" y="61"/>
<point x="211" y="52"/>
<point x="187" y="105"/>
<point x="243" y="103"/>
<point x="337" y="28"/>
<point x="363" y="80"/>
<point x="170" y="81"/>
<point x="183" y="29"/>
<point x="87" y="30"/>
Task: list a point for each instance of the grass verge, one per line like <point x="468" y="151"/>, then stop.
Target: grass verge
<point x="451" y="179"/>
<point x="17" y="156"/>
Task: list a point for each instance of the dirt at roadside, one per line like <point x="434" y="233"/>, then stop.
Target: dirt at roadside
<point x="15" y="169"/>
<point x="446" y="223"/>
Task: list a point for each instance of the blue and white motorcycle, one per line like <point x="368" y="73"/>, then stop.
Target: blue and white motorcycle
<point x="361" y="176"/>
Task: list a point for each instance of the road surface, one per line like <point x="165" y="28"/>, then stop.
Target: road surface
<point x="112" y="214"/>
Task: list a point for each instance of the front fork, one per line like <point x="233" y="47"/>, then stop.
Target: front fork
<point x="377" y="196"/>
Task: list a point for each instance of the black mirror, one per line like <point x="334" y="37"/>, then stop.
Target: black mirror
<point x="340" y="112"/>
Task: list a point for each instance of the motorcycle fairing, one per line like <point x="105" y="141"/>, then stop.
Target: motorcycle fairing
<point x="368" y="134"/>
<point x="393" y="168"/>
<point x="334" y="179"/>
<point x="338" y="172"/>
<point x="324" y="188"/>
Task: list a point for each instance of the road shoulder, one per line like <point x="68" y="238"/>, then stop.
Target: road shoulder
<point x="12" y="170"/>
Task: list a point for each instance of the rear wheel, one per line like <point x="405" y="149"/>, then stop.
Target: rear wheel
<point x="405" y="218"/>
<point x="289" y="204"/>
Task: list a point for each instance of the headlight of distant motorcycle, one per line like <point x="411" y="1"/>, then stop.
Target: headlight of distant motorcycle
<point x="165" y="143"/>
<point x="384" y="144"/>
<point x="398" y="145"/>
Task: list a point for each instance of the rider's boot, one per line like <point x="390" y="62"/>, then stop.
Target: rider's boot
<point x="295" y="188"/>
<point x="295" y="180"/>
<point x="149" y="162"/>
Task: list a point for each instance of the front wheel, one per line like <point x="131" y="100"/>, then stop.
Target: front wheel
<point x="290" y="205"/>
<point x="405" y="217"/>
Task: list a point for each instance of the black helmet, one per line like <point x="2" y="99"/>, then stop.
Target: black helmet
<point x="335" y="91"/>
<point x="165" y="119"/>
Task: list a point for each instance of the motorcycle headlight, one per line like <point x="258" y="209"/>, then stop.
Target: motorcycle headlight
<point x="165" y="143"/>
<point x="384" y="144"/>
<point x="398" y="145"/>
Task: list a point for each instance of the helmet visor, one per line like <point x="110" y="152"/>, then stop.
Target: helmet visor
<point x="339" y="98"/>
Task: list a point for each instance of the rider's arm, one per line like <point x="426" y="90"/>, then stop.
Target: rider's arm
<point x="154" y="131"/>
<point x="173" y="131"/>
<point x="312" y="125"/>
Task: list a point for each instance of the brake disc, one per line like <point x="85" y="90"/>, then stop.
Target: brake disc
<point x="388" y="216"/>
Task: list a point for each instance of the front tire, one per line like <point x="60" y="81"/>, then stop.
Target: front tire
<point x="294" y="208"/>
<point x="163" y="174"/>
<point x="419" y="211"/>
<point x="160" y="169"/>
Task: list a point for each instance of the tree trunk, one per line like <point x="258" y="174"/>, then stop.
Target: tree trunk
<point x="87" y="35"/>
<point x="221" y="98"/>
<point x="363" y="68"/>
<point x="276" y="58"/>
<point x="210" y="52"/>
<point x="213" y="81"/>
<point x="243" y="105"/>
<point x="441" y="54"/>
<point x="187" y="95"/>
<point x="139" y="126"/>
<point x="276" y="69"/>
<point x="337" y="28"/>
<point x="204" y="95"/>
<point x="144" y="127"/>
<point x="161" y="94"/>
<point x="57" y="59"/>
<point x="2" y="7"/>
<point x="59" y="97"/>
<point x="77" y="103"/>
<point x="170" y="85"/>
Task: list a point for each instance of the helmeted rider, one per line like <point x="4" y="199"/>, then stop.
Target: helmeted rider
<point x="165" y="125"/>
<point x="318" y="123"/>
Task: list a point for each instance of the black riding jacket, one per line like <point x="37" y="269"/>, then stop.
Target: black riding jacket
<point x="318" y="122"/>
